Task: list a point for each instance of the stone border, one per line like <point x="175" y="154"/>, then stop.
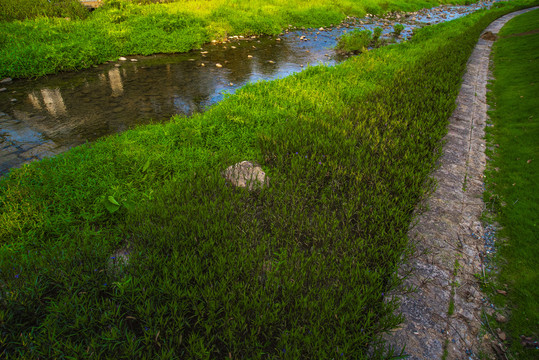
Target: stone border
<point x="443" y="318"/>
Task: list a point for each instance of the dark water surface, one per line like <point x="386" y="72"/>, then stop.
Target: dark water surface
<point x="43" y="117"/>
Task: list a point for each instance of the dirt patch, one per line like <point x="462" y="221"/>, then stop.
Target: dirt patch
<point x="489" y="36"/>
<point x="532" y="32"/>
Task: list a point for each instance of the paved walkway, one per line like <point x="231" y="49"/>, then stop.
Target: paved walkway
<point x="445" y="313"/>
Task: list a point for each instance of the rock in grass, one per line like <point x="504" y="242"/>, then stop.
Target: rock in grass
<point x="246" y="174"/>
<point x="219" y="65"/>
<point x="6" y="81"/>
<point x="3" y="89"/>
<point x="122" y="59"/>
<point x="119" y="260"/>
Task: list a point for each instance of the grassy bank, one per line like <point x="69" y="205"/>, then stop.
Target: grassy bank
<point x="46" y="45"/>
<point x="300" y="269"/>
<point x="512" y="185"/>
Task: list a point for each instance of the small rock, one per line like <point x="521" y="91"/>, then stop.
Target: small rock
<point x="302" y="37"/>
<point x="13" y="100"/>
<point x="117" y="65"/>
<point x="501" y="335"/>
<point x="6" y="81"/>
<point x="122" y="59"/>
<point x="246" y="174"/>
<point x="219" y="65"/>
<point x="500" y="318"/>
<point x="202" y="64"/>
<point x="321" y="29"/>
<point x="232" y="47"/>
<point x="134" y="60"/>
<point x="250" y="56"/>
<point x="203" y="52"/>
<point x="3" y="89"/>
<point x="503" y="292"/>
<point x="271" y="62"/>
<point x="278" y="39"/>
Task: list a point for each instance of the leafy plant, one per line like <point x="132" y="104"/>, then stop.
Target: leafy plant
<point x="397" y="29"/>
<point x="356" y="41"/>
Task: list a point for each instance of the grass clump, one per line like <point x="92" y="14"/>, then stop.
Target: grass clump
<point x="356" y="41"/>
<point x="300" y="269"/>
<point x="47" y="42"/>
<point x="397" y="29"/>
<point x="512" y="174"/>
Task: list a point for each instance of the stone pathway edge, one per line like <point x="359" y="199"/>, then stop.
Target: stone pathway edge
<point x="443" y="318"/>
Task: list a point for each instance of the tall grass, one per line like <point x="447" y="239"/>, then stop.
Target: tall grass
<point x="300" y="269"/>
<point x="45" y="45"/>
<point x="28" y="9"/>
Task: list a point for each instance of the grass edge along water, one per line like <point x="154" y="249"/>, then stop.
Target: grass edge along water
<point x="68" y="40"/>
<point x="301" y="269"/>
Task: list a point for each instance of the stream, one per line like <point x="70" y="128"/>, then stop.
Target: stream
<point x="49" y="115"/>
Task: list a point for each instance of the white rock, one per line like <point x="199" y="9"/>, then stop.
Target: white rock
<point x="122" y="59"/>
<point x="246" y="174"/>
<point x="6" y="81"/>
<point x="219" y="65"/>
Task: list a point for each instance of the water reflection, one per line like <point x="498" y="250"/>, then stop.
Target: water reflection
<point x="52" y="98"/>
<point x="116" y="82"/>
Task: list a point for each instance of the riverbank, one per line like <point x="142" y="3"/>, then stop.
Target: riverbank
<point x="218" y="271"/>
<point x="69" y="109"/>
<point x="45" y="45"/>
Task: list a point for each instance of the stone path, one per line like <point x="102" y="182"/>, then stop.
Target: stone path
<point x="444" y="315"/>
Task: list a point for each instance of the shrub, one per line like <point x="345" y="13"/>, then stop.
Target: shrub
<point x="397" y="29"/>
<point x="355" y="41"/>
<point x="376" y="34"/>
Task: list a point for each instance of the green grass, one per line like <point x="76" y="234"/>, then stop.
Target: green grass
<point x="297" y="270"/>
<point x="48" y="42"/>
<point x="29" y="9"/>
<point x="513" y="173"/>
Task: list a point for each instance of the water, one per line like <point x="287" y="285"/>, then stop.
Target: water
<point x="47" y="116"/>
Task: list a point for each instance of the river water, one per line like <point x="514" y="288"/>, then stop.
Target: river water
<point x="47" y="116"/>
